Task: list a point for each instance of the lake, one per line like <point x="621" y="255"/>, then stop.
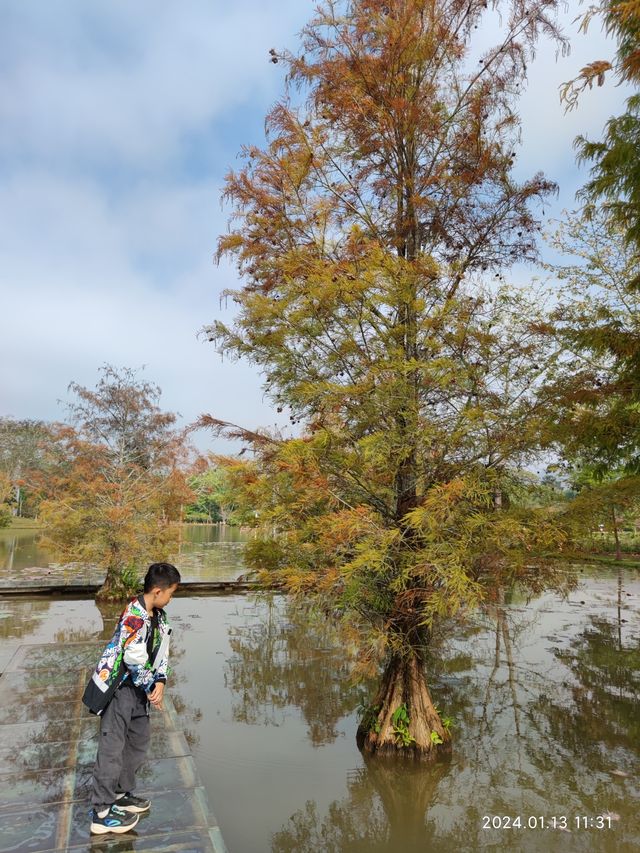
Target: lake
<point x="207" y="552"/>
<point x="545" y="698"/>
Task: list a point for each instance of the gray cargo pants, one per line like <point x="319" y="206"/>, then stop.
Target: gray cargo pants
<point x="122" y="745"/>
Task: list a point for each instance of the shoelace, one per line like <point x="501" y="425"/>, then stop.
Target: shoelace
<point x="120" y="812"/>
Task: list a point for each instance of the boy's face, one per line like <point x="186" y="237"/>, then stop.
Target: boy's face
<point x="161" y="597"/>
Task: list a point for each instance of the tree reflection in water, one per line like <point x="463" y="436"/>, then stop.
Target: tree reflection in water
<point x="601" y="723"/>
<point x="545" y="737"/>
<point x="540" y="729"/>
<point x="383" y="813"/>
<point x="292" y="658"/>
<point x="32" y="614"/>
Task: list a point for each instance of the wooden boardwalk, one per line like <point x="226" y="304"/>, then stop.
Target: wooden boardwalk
<point x="47" y="748"/>
<point x="83" y="588"/>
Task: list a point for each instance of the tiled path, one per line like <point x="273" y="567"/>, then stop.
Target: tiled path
<point x="47" y="748"/>
<point x="70" y="581"/>
<point x="35" y="576"/>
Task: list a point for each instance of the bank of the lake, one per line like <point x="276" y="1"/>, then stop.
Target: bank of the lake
<point x="545" y="698"/>
<point x="23" y="524"/>
<point x="208" y="552"/>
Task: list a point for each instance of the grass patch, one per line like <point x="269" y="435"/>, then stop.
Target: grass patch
<point x="24" y="524"/>
<point x="608" y="559"/>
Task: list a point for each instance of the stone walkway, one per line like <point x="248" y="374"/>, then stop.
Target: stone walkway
<point x="74" y="580"/>
<point x="35" y="576"/>
<point x="47" y="748"/>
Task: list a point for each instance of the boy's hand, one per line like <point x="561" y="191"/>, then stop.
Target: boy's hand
<point x="155" y="697"/>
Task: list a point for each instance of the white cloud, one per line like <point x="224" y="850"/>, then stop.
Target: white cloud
<point x="76" y="300"/>
<point x="121" y="83"/>
<point x="109" y="210"/>
<point x="105" y="247"/>
<point x="548" y="130"/>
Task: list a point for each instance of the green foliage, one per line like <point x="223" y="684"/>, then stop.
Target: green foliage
<point x="597" y="322"/>
<point x="130" y="578"/>
<point x="603" y="503"/>
<point x="224" y="491"/>
<point x="447" y="722"/>
<point x="400" y="723"/>
<point x="435" y="738"/>
<point x="208" y="487"/>
<point x="615" y="176"/>
<point x="369" y="717"/>
<point x="603" y="542"/>
<point x="605" y="421"/>
<point x="614" y="173"/>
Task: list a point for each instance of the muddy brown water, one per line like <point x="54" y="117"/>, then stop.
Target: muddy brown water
<point x="544" y="696"/>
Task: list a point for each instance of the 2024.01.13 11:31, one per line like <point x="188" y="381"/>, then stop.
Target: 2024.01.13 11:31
<point x="601" y="821"/>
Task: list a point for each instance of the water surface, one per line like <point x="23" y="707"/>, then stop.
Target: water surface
<point x="544" y="696"/>
<point x="207" y="552"/>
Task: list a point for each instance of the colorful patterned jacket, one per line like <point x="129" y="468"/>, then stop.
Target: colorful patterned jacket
<point x="127" y="656"/>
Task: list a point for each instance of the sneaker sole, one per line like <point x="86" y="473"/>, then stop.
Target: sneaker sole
<point x="135" y="809"/>
<point x="101" y="829"/>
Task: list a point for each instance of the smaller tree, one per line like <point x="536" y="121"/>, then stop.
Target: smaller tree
<point x="597" y="320"/>
<point x="122" y="415"/>
<point x="6" y="490"/>
<point x="23" y="446"/>
<point x="117" y="495"/>
<point x="603" y="502"/>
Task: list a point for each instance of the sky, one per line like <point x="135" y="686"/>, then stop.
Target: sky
<point x="119" y="121"/>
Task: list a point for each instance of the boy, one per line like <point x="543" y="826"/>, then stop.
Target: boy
<point x="131" y="672"/>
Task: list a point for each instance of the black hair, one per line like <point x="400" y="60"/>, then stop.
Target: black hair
<point x="161" y="575"/>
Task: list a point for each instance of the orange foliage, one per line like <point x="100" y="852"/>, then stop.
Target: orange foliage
<point x="113" y="488"/>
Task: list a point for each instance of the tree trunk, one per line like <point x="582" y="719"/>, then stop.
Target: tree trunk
<point x="615" y="533"/>
<point x="404" y="684"/>
<point x="115" y="586"/>
<point x="619" y="610"/>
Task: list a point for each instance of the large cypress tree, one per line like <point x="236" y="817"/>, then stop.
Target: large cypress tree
<point x="372" y="231"/>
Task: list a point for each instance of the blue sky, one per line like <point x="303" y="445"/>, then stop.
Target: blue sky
<point x="119" y="120"/>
